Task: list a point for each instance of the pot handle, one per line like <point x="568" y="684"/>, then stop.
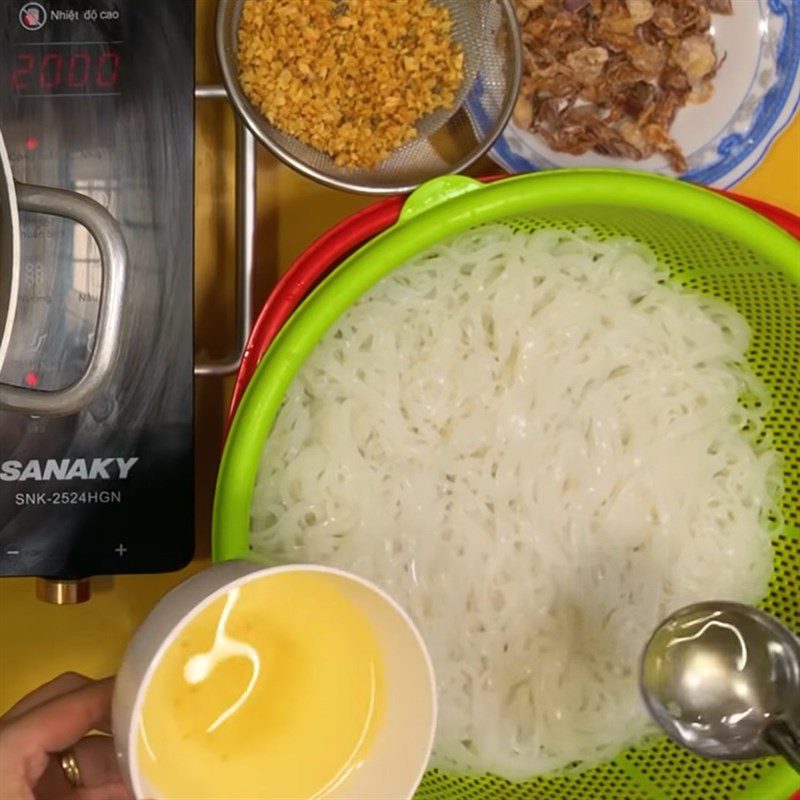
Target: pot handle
<point x="105" y="230"/>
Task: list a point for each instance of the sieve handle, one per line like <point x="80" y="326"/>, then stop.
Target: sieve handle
<point x="435" y="192"/>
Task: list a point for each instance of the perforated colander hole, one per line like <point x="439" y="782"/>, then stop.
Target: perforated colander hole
<point x="683" y="776"/>
<point x="769" y="302"/>
<point x="783" y="600"/>
<point x="602" y="783"/>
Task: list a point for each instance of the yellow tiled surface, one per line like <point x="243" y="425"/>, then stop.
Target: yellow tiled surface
<point x="38" y="641"/>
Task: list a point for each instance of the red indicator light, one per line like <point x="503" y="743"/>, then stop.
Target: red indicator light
<point x="32" y="143"/>
<point x="31" y="379"/>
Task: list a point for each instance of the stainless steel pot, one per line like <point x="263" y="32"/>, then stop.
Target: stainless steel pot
<point x="105" y="230"/>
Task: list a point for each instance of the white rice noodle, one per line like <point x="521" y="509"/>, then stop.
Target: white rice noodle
<point x="540" y="448"/>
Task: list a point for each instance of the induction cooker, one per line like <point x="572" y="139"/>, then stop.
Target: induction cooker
<point x="97" y="98"/>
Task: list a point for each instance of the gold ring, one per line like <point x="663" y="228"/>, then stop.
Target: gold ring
<point x="70" y="768"/>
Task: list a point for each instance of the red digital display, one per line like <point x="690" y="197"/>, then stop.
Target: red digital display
<point x="68" y="69"/>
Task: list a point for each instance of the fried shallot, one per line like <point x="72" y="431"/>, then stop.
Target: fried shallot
<point x="611" y="75"/>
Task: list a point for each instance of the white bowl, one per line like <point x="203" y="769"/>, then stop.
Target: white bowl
<point x="756" y="95"/>
<point x="397" y="760"/>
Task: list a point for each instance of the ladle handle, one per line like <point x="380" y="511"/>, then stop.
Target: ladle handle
<point x="781" y="739"/>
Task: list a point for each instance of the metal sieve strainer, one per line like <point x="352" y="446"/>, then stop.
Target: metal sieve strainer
<point x="449" y="140"/>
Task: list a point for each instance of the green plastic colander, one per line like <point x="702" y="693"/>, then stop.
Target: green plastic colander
<point x="711" y="244"/>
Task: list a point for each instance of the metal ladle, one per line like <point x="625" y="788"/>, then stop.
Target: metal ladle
<point x="723" y="680"/>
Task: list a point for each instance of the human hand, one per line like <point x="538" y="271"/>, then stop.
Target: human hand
<point x="53" y="720"/>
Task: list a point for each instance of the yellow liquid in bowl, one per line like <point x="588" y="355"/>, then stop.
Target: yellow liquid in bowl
<point x="274" y="691"/>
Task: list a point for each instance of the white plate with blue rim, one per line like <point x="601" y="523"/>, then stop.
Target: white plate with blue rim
<point x="756" y="95"/>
